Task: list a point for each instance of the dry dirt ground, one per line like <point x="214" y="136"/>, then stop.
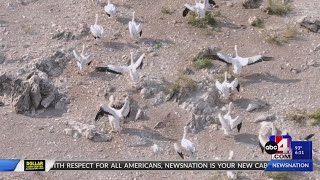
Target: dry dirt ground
<point x="28" y="33"/>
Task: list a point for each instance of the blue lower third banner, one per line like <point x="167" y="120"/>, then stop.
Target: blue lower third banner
<point x="290" y="165"/>
<point x="8" y="164"/>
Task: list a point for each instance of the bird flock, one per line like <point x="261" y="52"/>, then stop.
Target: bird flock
<point x="185" y="149"/>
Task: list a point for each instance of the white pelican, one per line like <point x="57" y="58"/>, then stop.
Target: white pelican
<point x="135" y="29"/>
<point x="266" y="129"/>
<point x="225" y="87"/>
<point x="96" y="30"/>
<point x="110" y="9"/>
<point x="178" y="150"/>
<point x="82" y="59"/>
<point x="238" y="62"/>
<point x="230" y="174"/>
<point x="227" y="123"/>
<point x="199" y="8"/>
<point x="115" y="115"/>
<point x="133" y="69"/>
<point x="186" y="144"/>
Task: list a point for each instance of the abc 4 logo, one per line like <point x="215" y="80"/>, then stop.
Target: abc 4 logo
<point x="282" y="147"/>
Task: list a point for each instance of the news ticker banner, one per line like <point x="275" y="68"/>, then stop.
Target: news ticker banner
<point x="288" y="155"/>
<point x="51" y="165"/>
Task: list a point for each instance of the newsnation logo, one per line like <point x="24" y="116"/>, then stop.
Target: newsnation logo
<point x="279" y="147"/>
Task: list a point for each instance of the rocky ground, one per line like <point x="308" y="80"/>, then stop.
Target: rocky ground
<point x="51" y="113"/>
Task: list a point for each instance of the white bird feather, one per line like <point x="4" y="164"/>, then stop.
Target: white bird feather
<point x="96" y="30"/>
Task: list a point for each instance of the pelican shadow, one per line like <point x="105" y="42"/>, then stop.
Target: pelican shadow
<point x="102" y="75"/>
<point x="244" y="102"/>
<point x="146" y="133"/>
<point x="119" y="45"/>
<point x="246" y="138"/>
<point x="257" y="78"/>
<point x="153" y="42"/>
<point x="124" y="20"/>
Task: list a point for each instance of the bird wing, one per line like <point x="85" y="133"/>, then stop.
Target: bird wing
<point x="223" y="122"/>
<point x="139" y="63"/>
<point x="76" y="55"/>
<point x="218" y="85"/>
<point x="188" y="6"/>
<point x="235" y="122"/>
<point x="125" y="110"/>
<point x="257" y="59"/>
<point x="130" y="27"/>
<point x="188" y="145"/>
<point x="104" y="110"/>
<point x="224" y="58"/>
<point x="87" y="58"/>
<point x="233" y="84"/>
<point x="117" y="69"/>
<point x="309" y="137"/>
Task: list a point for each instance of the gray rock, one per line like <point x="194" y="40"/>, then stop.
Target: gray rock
<point x="252" y="106"/>
<point x="265" y="118"/>
<point x="146" y="93"/>
<point x="64" y="35"/>
<point x="5" y="84"/>
<point x="250" y="4"/>
<point x="48" y="100"/>
<point x="2" y="58"/>
<point x="68" y="131"/>
<point x="1" y="103"/>
<point x="35" y="94"/>
<point x="62" y="104"/>
<point x="311" y="23"/>
<point x="256" y="105"/>
<point x="86" y="130"/>
<point x="159" y="99"/>
<point x="55" y="64"/>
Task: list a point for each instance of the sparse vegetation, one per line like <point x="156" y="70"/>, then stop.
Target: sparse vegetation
<point x="203" y="63"/>
<point x="291" y="32"/>
<point x="167" y="10"/>
<point x="158" y="45"/>
<point x="209" y="20"/>
<point x="297" y="115"/>
<point x="278" y="8"/>
<point x="183" y="84"/>
<point x="258" y="23"/>
<point x="316" y="116"/>
<point x="27" y="29"/>
<point x="274" y="39"/>
<point x="277" y="175"/>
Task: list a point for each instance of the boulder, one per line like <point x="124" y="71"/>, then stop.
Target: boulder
<point x="311" y="23"/>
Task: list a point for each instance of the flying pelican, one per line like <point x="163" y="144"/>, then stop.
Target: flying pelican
<point x="96" y="30"/>
<point x="186" y="144"/>
<point x="135" y="29"/>
<point x="115" y="115"/>
<point x="133" y="69"/>
<point x="230" y="174"/>
<point x="82" y="59"/>
<point x="225" y="87"/>
<point x="239" y="62"/>
<point x="199" y="8"/>
<point x="110" y="9"/>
